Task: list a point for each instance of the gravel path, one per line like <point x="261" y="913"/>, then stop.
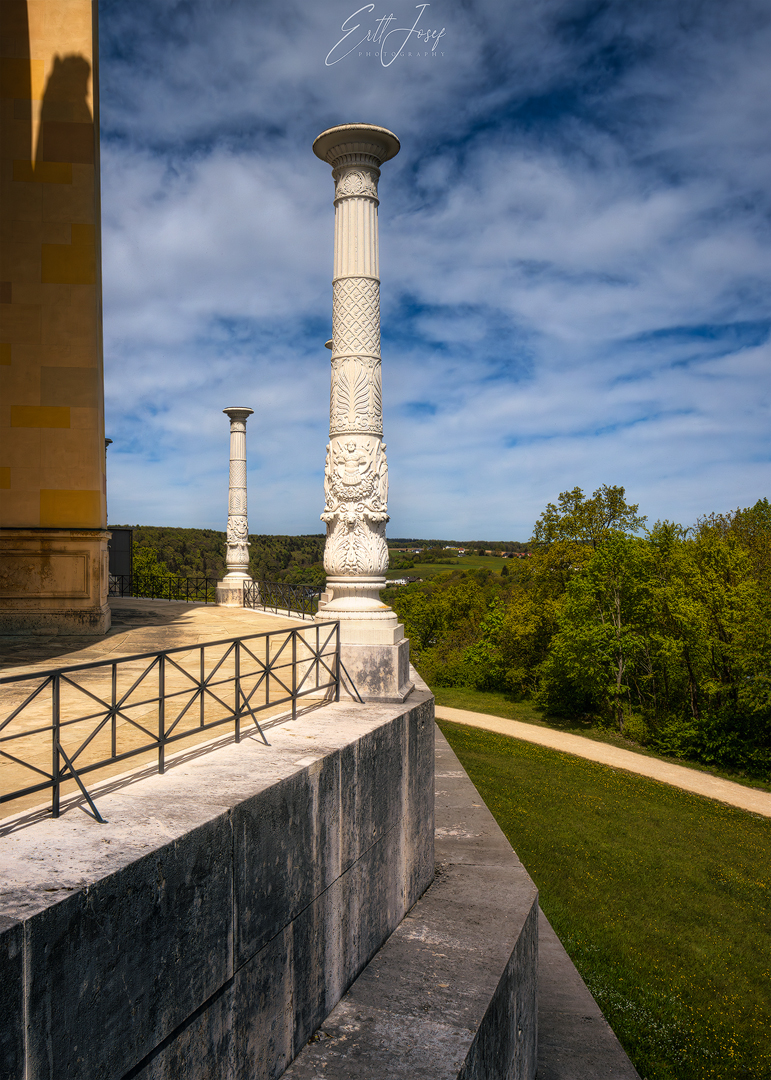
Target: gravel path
<point x="701" y="783"/>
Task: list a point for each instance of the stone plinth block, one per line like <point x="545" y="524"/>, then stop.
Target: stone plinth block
<point x="379" y="672"/>
<point x="54" y="581"/>
<point x="12" y="997"/>
<point x="230" y="592"/>
<point x="452" y="995"/>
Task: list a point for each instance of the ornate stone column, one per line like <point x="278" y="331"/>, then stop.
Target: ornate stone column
<point x="230" y="591"/>
<point x="356" y="473"/>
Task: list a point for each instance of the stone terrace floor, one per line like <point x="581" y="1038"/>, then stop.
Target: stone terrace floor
<point x="139" y="626"/>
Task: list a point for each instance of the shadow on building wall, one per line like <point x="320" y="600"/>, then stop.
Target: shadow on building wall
<point x="65" y="130"/>
<point x="66" y="123"/>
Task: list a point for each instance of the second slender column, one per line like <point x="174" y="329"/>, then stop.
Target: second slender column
<point x="230" y="591"/>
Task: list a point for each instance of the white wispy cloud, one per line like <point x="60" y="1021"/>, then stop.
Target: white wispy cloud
<point x="575" y="256"/>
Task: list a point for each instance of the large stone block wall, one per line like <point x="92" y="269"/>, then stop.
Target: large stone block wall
<point x="216" y="919"/>
<point x="452" y="995"/>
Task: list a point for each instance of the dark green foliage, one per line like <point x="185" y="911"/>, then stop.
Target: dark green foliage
<point x="587" y="521"/>
<point x="661" y="898"/>
<point x="201" y="553"/>
<point x="666" y="636"/>
<point x="295" y="559"/>
<point x="184" y="552"/>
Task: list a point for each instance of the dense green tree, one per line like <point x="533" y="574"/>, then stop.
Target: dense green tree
<point x="149" y="573"/>
<point x="666" y="635"/>
<point x="581" y="520"/>
<point x="193" y="553"/>
<point x="601" y="635"/>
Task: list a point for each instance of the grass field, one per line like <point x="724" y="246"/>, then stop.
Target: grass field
<point x="499" y="703"/>
<point x="662" y="899"/>
<point x="466" y="562"/>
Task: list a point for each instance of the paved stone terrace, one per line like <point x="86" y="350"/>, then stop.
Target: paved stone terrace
<point x="139" y="626"/>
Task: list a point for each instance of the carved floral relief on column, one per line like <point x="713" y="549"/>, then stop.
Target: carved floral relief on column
<point x="356" y="506"/>
<point x="356" y="402"/>
<point x="356" y="396"/>
<point x="356" y="180"/>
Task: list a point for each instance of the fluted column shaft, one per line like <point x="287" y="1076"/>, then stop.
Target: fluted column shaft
<point x="356" y="473"/>
<point x="237" y="556"/>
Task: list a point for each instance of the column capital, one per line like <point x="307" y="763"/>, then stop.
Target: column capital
<point x="356" y="144"/>
<point x="238" y="412"/>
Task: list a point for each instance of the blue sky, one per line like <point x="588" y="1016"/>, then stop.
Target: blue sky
<point x="575" y="254"/>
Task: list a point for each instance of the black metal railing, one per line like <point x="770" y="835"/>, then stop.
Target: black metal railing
<point x="151" y="700"/>
<point x="203" y="590"/>
<point x="278" y="596"/>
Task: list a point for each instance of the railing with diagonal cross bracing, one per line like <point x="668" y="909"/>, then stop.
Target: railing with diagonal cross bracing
<point x="200" y="590"/>
<point x="280" y="596"/>
<point x="59" y="725"/>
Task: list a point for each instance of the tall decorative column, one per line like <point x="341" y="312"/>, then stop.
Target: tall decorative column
<point x="230" y="591"/>
<point x="376" y="653"/>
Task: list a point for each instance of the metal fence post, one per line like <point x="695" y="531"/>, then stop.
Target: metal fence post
<point x="55" y="729"/>
<point x="202" y="672"/>
<point x="318" y="655"/>
<point x="267" y="669"/>
<point x="337" y="661"/>
<point x="237" y="702"/>
<point x="294" y="674"/>
<point x="161" y="712"/>
<point x="114" y="717"/>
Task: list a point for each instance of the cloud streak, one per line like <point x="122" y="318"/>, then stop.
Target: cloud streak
<point x="575" y="256"/>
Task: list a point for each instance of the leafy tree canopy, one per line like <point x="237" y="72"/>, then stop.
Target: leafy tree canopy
<point x="582" y="520"/>
<point x="665" y="635"/>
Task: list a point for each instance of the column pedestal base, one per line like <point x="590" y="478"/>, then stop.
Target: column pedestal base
<point x="230" y="592"/>
<point x="379" y="672"/>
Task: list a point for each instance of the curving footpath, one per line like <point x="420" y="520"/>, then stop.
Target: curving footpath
<point x="700" y="783"/>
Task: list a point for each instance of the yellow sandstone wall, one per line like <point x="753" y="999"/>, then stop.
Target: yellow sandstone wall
<point x="52" y="461"/>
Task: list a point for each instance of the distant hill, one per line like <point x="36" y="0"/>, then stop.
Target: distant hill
<point x="201" y="553"/>
<point x="296" y="559"/>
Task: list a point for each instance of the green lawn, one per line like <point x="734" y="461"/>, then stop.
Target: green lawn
<point x="465" y="562"/>
<point x="499" y="703"/>
<point x="661" y="898"/>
